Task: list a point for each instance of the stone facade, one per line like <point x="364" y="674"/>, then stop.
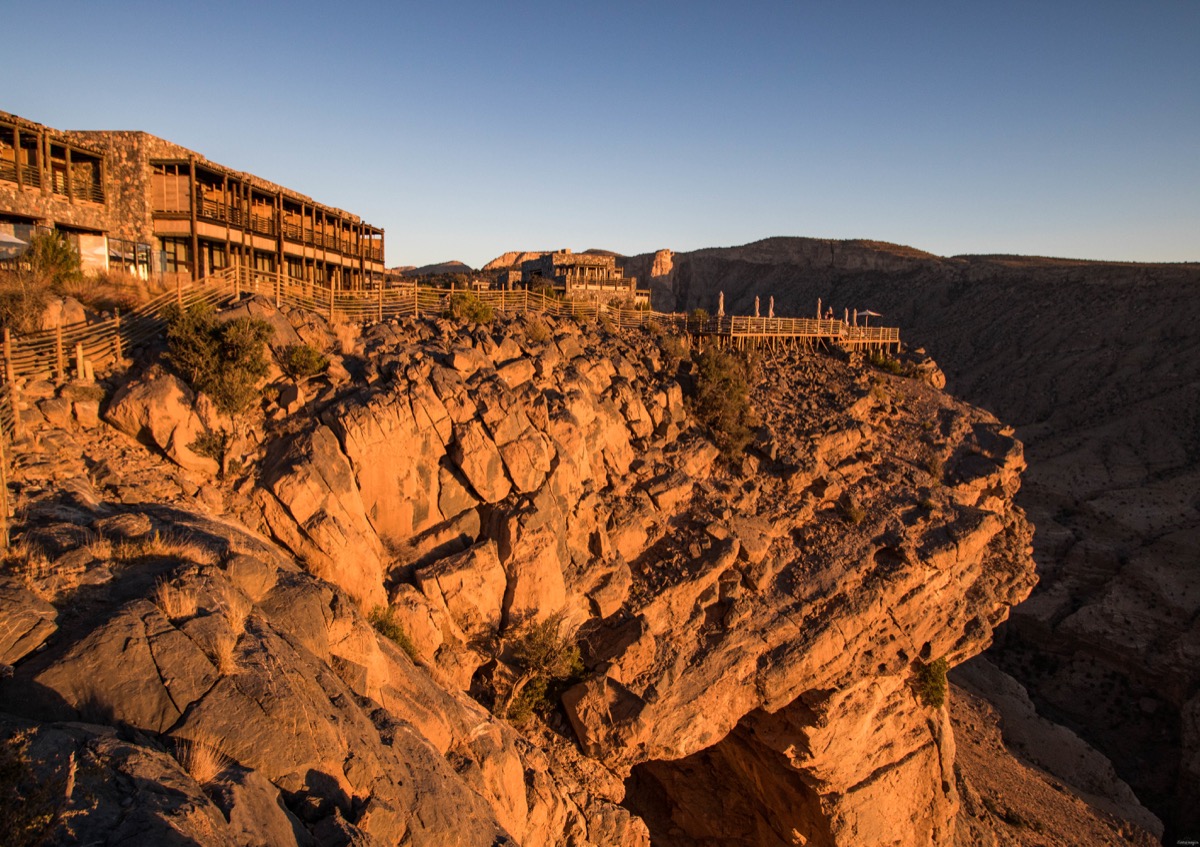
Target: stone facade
<point x="582" y="275"/>
<point x="138" y="194"/>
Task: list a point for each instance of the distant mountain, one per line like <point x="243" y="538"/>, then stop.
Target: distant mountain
<point x="451" y="267"/>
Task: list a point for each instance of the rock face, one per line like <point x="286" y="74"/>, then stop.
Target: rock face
<point x="512" y="259"/>
<point x="575" y="485"/>
<point x="758" y="622"/>
<point x="1095" y="364"/>
<point x="159" y="409"/>
<point x="321" y="731"/>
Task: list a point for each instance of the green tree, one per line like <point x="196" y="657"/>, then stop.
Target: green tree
<point x="721" y="399"/>
<point x="224" y="359"/>
<point x="52" y="258"/>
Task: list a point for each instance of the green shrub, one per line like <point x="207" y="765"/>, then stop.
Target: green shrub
<point x="930" y="682"/>
<point x="884" y="362"/>
<point x="543" y="655"/>
<point x="210" y="444"/>
<point x="674" y="351"/>
<point x="721" y="399"/>
<point x="385" y="623"/>
<point x="466" y="306"/>
<point x="29" y="806"/>
<point x="225" y="360"/>
<point x="52" y="258"/>
<point x="853" y="512"/>
<point x="300" y="361"/>
<point x="537" y="331"/>
<point x="936" y="468"/>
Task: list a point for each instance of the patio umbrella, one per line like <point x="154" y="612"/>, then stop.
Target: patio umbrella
<point x="11" y="246"/>
<point x="867" y="313"/>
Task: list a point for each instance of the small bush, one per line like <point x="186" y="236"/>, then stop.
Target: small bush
<point x="722" y="399"/>
<point x="699" y="315"/>
<point x="210" y="444"/>
<point x="466" y="306"/>
<point x="225" y="360"/>
<point x="543" y="655"/>
<point x="537" y="331"/>
<point x="51" y="257"/>
<point x="884" y="362"/>
<point x="29" y="806"/>
<point x="853" y="512"/>
<point x="300" y="361"/>
<point x="23" y="299"/>
<point x="674" y="350"/>
<point x="385" y="623"/>
<point x="930" y="682"/>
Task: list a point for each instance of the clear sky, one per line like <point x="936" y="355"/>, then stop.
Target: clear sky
<point x="469" y="128"/>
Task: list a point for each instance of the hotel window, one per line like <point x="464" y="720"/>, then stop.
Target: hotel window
<point x="176" y="255"/>
<point x="169" y="189"/>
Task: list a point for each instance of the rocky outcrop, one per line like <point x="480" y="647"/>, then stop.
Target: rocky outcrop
<point x="312" y="729"/>
<point x="512" y="259"/>
<point x="160" y="410"/>
<point x="1095" y="364"/>
<point x="550" y="478"/>
<point x="761" y="620"/>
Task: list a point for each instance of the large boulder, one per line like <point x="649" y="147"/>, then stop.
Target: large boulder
<point x="160" y="410"/>
<point x="312" y="503"/>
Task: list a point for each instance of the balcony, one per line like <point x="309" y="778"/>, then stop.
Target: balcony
<point x="31" y="177"/>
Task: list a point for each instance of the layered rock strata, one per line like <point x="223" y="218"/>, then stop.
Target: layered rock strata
<point x="759" y="621"/>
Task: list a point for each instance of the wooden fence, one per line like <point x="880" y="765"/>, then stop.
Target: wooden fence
<point x="55" y="354"/>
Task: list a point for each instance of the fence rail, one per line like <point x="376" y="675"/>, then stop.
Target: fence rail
<point x="55" y="353"/>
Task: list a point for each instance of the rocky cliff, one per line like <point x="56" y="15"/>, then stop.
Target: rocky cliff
<point x="760" y="635"/>
<point x="1096" y="366"/>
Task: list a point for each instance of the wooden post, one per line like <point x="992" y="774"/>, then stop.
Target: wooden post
<point x="60" y="359"/>
<point x="4" y="488"/>
<point x="11" y="377"/>
<point x="331" y="300"/>
<point x="80" y="367"/>
<point x="178" y="290"/>
<point x="278" y="283"/>
<point x="416" y="300"/>
<point x="117" y="337"/>
<point x="381" y="301"/>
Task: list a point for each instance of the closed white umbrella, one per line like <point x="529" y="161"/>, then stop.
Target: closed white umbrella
<point x="11" y="246"/>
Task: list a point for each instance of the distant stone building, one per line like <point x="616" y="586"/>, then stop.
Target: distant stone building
<point x="134" y="201"/>
<point x="588" y="276"/>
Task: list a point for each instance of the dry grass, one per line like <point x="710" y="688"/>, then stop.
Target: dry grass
<point x="175" y="602"/>
<point x="98" y="547"/>
<point x="203" y="758"/>
<point x="223" y="656"/>
<point x="109" y="290"/>
<point x="166" y="545"/>
<point x="28" y="562"/>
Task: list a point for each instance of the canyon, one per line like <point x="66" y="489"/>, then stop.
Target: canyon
<point x="761" y="634"/>
<point x="1095" y="364"/>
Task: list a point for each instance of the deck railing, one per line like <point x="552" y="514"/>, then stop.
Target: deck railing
<point x="55" y="353"/>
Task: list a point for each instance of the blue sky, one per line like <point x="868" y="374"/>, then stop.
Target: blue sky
<point x="467" y="129"/>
